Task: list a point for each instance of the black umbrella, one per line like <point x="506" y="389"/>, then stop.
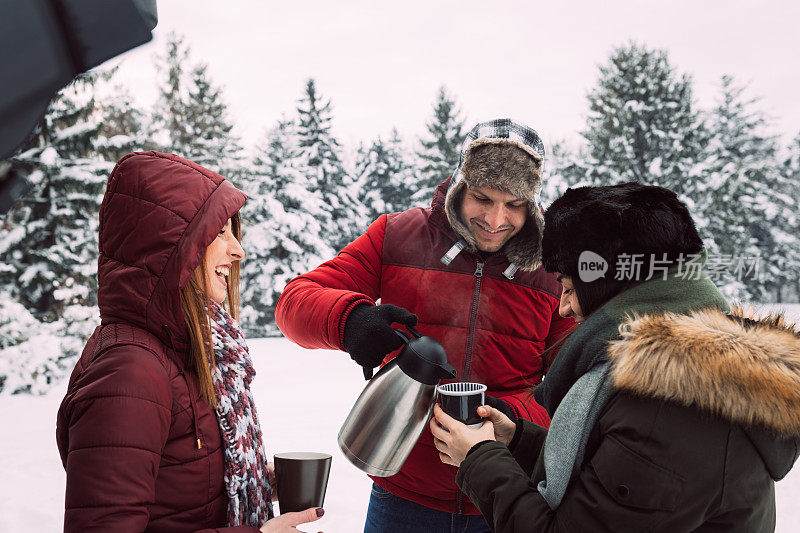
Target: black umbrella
<point x="45" y="44"/>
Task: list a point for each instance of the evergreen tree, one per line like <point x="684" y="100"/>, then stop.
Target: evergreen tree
<point x="49" y="243"/>
<point x="440" y="149"/>
<point x="29" y="350"/>
<point x="213" y="144"/>
<point x="439" y="152"/>
<point x="191" y="118"/>
<point x="746" y="206"/>
<point x="385" y="177"/>
<point x="123" y="128"/>
<point x="642" y="125"/>
<point x="170" y="127"/>
<point x="282" y="220"/>
<point x="562" y="170"/>
<point x="789" y="233"/>
<point x="320" y="160"/>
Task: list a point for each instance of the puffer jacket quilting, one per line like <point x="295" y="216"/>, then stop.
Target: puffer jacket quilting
<point x="141" y="448"/>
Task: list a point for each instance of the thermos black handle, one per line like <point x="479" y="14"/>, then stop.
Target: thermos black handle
<point x="402" y="336"/>
<point x="368" y="370"/>
<point x="445" y="369"/>
<point x="414" y="331"/>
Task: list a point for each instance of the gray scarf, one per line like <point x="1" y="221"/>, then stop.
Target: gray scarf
<point x="570" y="428"/>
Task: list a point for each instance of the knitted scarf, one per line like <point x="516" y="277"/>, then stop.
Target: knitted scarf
<point x="249" y="492"/>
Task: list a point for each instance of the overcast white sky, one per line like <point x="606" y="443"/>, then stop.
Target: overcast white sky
<point x="381" y="63"/>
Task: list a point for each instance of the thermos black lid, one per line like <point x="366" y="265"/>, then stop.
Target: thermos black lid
<point x="424" y="359"/>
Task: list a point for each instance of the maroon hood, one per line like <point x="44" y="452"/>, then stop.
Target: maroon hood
<point x="159" y="214"/>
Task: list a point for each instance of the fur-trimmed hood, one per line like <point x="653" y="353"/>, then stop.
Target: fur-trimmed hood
<point x="524" y="249"/>
<point x="740" y="368"/>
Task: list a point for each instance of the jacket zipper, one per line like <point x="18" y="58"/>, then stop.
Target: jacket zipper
<point x="470" y="341"/>
<point x="473" y="317"/>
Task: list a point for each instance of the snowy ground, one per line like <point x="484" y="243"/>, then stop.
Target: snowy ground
<point x="303" y="398"/>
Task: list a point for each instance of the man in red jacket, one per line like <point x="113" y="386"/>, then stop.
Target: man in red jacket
<point x="467" y="272"/>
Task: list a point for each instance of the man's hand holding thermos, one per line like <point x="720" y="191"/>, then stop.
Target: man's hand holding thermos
<point x="369" y="336"/>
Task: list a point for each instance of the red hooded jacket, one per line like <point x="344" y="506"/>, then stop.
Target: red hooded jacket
<point x="494" y="329"/>
<point x="141" y="448"/>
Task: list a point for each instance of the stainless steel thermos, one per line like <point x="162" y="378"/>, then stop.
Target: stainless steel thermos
<point x="390" y="415"/>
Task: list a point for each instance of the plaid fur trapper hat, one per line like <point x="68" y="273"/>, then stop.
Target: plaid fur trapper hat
<point x="514" y="164"/>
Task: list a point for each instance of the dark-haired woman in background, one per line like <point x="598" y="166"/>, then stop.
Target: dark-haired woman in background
<point x="158" y="430"/>
<point x="669" y="411"/>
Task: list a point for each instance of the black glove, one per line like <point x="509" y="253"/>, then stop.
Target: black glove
<point x="369" y="336"/>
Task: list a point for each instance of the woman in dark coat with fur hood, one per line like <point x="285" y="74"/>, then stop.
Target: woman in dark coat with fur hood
<point x="670" y="411"/>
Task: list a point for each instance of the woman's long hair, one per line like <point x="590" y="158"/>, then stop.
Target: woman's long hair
<point x="195" y="310"/>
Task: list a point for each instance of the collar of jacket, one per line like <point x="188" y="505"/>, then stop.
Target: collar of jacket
<point x="587" y="345"/>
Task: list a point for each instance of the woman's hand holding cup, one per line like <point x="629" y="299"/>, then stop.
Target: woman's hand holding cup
<point x="454" y="439"/>
<point x="504" y="427"/>
<point x="286" y="522"/>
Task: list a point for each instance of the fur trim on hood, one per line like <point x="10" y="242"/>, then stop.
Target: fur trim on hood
<point x="523" y="249"/>
<point x="743" y="369"/>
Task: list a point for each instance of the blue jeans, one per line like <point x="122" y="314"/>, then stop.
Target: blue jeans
<point x="388" y="513"/>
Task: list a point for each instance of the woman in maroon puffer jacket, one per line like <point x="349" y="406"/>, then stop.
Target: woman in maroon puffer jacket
<point x="139" y="428"/>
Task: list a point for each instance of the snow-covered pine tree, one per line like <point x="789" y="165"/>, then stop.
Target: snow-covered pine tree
<point x="562" y="171"/>
<point x="320" y="159"/>
<point x="213" y="144"/>
<point x="439" y="151"/>
<point x="170" y="129"/>
<point x="747" y="206"/>
<point x="642" y="125"/>
<point x="123" y="129"/>
<point x="49" y="242"/>
<point x="385" y="176"/>
<point x="191" y="118"/>
<point x="790" y="233"/>
<point x="30" y="357"/>
<point x="282" y="223"/>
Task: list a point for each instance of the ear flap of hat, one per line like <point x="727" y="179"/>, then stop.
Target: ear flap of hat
<point x="452" y="208"/>
<point x="525" y="248"/>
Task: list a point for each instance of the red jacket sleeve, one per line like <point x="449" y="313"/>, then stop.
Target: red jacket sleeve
<point x="313" y="307"/>
<point x="111" y="463"/>
<point x="525" y="406"/>
<point x="560" y="328"/>
<point x="523" y="403"/>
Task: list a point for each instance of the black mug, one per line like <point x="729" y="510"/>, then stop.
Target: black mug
<point x="302" y="479"/>
<point x="461" y="401"/>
